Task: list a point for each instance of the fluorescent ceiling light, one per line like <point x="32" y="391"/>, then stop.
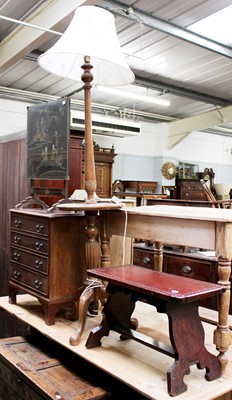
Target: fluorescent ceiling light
<point x="134" y="96"/>
<point x="217" y="26"/>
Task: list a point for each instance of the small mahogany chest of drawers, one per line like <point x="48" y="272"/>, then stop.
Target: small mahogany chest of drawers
<point x="190" y="190"/>
<point x="191" y="265"/>
<point x="47" y="259"/>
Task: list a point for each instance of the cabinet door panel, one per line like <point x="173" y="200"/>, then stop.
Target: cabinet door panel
<point x="103" y="180"/>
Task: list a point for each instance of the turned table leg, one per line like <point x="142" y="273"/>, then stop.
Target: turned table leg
<point x="158" y="256"/>
<point x="222" y="334"/>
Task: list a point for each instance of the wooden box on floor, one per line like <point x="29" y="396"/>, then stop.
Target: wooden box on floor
<point x="29" y="371"/>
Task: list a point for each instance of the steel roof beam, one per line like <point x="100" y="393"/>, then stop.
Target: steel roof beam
<point x="164" y="26"/>
<point x="179" y="91"/>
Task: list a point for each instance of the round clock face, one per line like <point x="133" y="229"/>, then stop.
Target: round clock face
<point x="169" y="170"/>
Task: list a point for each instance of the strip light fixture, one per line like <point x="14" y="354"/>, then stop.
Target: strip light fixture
<point x="134" y="96"/>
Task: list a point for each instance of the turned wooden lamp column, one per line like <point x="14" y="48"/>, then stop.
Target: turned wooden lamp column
<point x="91" y="36"/>
<point x="90" y="173"/>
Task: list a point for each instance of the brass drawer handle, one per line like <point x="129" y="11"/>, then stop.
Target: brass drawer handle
<point x="17" y="239"/>
<point x="186" y="269"/>
<point x="39" y="228"/>
<point x="17" y="223"/>
<point x="16" y="256"/>
<point x="38" y="284"/>
<point x="146" y="260"/>
<point x="38" y="246"/>
<point x="16" y="274"/>
<point x="38" y="264"/>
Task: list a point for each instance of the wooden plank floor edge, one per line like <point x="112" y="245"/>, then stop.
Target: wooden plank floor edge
<point x="135" y="364"/>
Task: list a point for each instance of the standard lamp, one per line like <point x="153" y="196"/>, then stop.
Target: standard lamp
<point x="89" y="42"/>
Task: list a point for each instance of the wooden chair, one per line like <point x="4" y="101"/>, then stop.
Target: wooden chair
<point x="210" y="197"/>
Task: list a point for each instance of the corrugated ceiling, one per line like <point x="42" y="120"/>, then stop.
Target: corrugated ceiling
<point x="195" y="79"/>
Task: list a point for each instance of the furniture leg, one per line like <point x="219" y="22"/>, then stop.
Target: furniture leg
<point x="222" y="334"/>
<point x="93" y="253"/>
<point x="105" y="246"/>
<point x="158" y="256"/>
<point x="85" y="299"/>
<point x="187" y="338"/>
<point x="12" y="294"/>
<point x="117" y="313"/>
<point x="50" y="311"/>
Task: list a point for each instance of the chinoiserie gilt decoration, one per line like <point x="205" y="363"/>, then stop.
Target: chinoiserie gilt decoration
<point x="169" y="170"/>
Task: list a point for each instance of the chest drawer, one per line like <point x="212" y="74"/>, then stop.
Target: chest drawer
<point x="29" y="279"/>
<point x="24" y="223"/>
<point x="33" y="261"/>
<point x="29" y="242"/>
<point x="191" y="195"/>
<point x="143" y="258"/>
<point x="190" y="268"/>
<point x="188" y="186"/>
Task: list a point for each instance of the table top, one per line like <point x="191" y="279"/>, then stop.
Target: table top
<point x="79" y="206"/>
<point x="196" y="213"/>
<point x="158" y="284"/>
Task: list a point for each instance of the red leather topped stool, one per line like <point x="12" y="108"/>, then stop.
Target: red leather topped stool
<point x="176" y="296"/>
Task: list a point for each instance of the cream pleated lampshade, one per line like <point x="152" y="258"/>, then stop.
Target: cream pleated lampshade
<point x="91" y="33"/>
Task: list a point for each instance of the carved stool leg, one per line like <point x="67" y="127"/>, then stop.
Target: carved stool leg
<point x="187" y="338"/>
<point x="116" y="313"/>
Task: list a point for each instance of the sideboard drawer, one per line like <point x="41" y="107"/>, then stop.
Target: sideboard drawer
<point x="190" y="268"/>
<point x="143" y="258"/>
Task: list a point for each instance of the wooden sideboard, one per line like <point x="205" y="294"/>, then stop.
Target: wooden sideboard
<point x="142" y="187"/>
<point x="175" y="261"/>
<point x="47" y="258"/>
